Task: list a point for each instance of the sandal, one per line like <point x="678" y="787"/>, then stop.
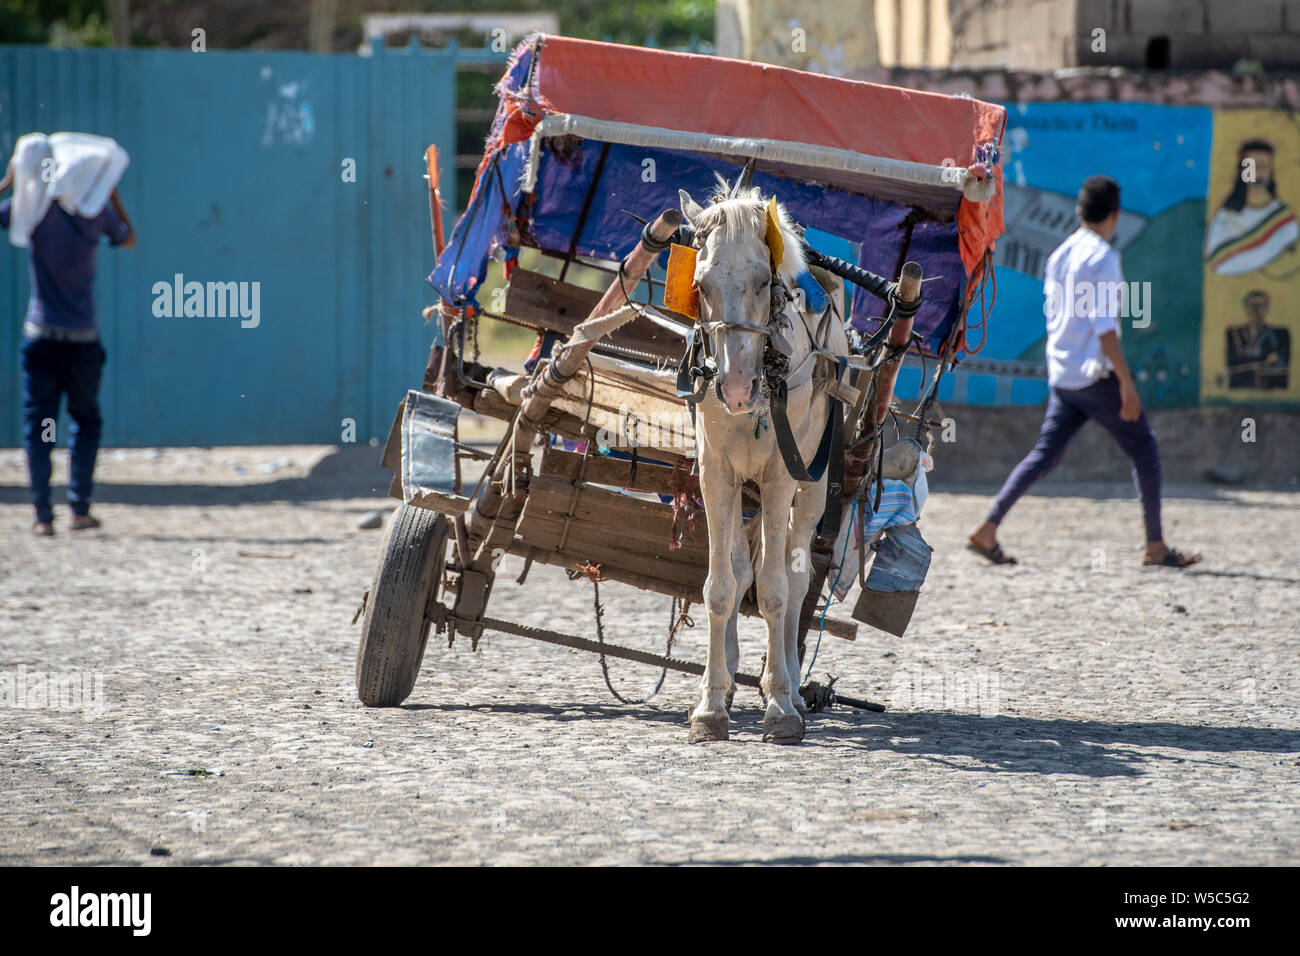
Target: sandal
<point x="994" y="554"/>
<point x="1174" y="559"/>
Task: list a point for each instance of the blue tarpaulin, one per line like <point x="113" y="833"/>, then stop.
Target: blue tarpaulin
<point x="645" y="181"/>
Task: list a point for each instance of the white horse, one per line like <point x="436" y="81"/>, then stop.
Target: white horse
<point x="735" y="442"/>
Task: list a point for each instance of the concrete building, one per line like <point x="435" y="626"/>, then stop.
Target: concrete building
<point x="842" y="37"/>
<point x="838" y="38"/>
<point x="1145" y="34"/>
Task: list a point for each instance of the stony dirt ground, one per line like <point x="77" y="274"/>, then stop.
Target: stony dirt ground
<point x="1075" y="709"/>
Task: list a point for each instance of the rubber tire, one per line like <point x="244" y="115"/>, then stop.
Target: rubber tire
<point x="395" y="630"/>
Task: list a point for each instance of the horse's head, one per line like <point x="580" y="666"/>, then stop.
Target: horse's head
<point x="733" y="272"/>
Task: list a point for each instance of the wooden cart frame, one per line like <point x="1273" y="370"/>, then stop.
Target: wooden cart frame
<point x="578" y="509"/>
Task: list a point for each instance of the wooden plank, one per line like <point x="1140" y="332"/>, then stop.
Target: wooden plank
<point x="437" y="501"/>
<point x="645" y="582"/>
<point x="584" y="543"/>
<point x="656" y="479"/>
<point x="633" y="405"/>
<point x="588" y="537"/>
<point x="558" y="420"/>
<point x="556" y="306"/>
<point x="648" y="523"/>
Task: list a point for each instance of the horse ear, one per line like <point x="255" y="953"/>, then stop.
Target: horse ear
<point x="690" y="208"/>
<point x="745" y="180"/>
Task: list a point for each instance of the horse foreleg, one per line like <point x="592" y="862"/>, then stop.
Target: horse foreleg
<point x="709" y="720"/>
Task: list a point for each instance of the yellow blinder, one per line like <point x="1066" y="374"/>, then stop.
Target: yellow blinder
<point x="680" y="293"/>
<point x="775" y="244"/>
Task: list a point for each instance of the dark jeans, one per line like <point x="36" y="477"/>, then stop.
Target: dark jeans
<point x="50" y="370"/>
<point x="1067" y="411"/>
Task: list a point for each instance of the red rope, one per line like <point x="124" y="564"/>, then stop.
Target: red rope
<point x="685" y="489"/>
<point x="984" y="286"/>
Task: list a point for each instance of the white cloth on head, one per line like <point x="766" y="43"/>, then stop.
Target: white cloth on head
<point x="78" y="170"/>
<point x="32" y="177"/>
<point x="87" y="168"/>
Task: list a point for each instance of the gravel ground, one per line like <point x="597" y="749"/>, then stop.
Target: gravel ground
<point x="1074" y="709"/>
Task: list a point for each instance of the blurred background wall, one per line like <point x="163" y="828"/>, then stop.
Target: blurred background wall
<point x="1161" y="94"/>
<point x="295" y="171"/>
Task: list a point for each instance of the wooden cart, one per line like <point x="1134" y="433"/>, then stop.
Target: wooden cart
<point x="618" y="501"/>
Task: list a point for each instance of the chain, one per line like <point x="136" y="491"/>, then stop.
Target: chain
<point x="675" y="621"/>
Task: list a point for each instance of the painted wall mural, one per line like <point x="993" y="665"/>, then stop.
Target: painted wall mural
<point x="1252" y="259"/>
<point x="1160" y="157"/>
<point x="1210" y="220"/>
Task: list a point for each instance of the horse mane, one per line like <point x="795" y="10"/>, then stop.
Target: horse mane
<point x="746" y="215"/>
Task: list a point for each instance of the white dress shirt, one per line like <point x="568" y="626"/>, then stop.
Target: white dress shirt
<point x="1084" y="296"/>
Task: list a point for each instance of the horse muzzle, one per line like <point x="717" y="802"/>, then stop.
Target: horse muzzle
<point x="740" y="395"/>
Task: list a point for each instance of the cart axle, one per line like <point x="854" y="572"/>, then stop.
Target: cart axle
<point x="640" y="657"/>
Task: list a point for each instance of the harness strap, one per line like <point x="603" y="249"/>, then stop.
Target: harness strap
<point x="785" y="442"/>
<point x="689" y="369"/>
<point x="829" y="526"/>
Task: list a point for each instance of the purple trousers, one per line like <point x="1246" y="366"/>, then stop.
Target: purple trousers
<point x="1067" y="411"/>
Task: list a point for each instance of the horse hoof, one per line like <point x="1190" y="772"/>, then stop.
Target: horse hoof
<point x="708" y="728"/>
<point x="786" y="729"/>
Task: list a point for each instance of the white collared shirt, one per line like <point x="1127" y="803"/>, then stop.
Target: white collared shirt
<point x="1083" y="289"/>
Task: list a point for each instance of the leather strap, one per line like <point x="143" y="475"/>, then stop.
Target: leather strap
<point x="689" y="369"/>
<point x="829" y="526"/>
<point x="785" y="442"/>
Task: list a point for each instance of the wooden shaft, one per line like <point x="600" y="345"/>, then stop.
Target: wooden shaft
<point x="435" y="200"/>
<point x="491" y="519"/>
<point x="566" y="359"/>
<point x="636" y="264"/>
<point x="909" y="289"/>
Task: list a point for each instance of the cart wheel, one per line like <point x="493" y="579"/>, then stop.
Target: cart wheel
<point x="395" y="629"/>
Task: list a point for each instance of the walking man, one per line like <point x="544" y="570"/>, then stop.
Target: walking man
<point x="1088" y="376"/>
<point x="61" y="352"/>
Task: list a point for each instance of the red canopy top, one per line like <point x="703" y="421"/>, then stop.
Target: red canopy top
<point x="891" y="142"/>
<point x="708" y="94"/>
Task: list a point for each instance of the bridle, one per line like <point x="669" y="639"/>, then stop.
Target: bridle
<point x="700" y="361"/>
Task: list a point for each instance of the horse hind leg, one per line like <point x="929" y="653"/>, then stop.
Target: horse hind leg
<point x="744" y="573"/>
<point x="792" y="664"/>
<point x="799" y="577"/>
<point x="733" y="657"/>
<point x="804" y="516"/>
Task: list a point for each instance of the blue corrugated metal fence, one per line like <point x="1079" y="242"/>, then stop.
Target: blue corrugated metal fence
<point x="237" y="163"/>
